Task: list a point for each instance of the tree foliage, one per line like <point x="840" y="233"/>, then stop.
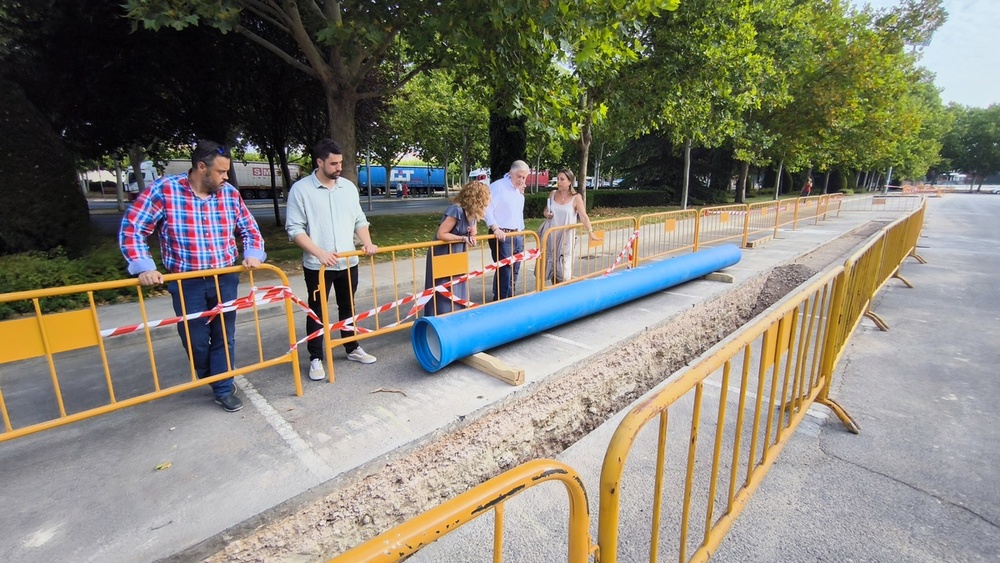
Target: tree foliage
<point x="973" y="147"/>
<point x="43" y="207"/>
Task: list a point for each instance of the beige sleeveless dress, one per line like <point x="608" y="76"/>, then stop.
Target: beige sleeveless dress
<point x="559" y="244"/>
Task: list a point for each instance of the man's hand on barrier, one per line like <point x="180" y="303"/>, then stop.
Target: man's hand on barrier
<point x="370" y="249"/>
<point x="328" y="259"/>
<point x="150" y="277"/>
<point x="251" y="263"/>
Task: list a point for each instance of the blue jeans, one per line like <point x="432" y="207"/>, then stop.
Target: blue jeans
<point x="505" y="279"/>
<point x="207" y="347"/>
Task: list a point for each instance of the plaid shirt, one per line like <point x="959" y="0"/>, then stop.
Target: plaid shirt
<point x="195" y="234"/>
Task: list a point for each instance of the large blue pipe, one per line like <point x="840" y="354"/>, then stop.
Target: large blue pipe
<point x="439" y="341"/>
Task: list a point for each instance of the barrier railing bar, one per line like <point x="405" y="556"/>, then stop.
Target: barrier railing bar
<point x="774" y="368"/>
<point x="758" y="401"/>
<point x="689" y="476"/>
<point x="498" y="520"/>
<point x="791" y="363"/>
<point x="716" y="454"/>
<point x="661" y="458"/>
<point x="48" y="355"/>
<point x="149" y="338"/>
<point x="100" y="346"/>
<point x="3" y="411"/>
<point x="738" y="439"/>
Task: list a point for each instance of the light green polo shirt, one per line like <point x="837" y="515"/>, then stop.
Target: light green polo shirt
<point x="330" y="216"/>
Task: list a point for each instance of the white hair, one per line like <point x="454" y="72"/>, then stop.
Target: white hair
<point x="519" y="165"/>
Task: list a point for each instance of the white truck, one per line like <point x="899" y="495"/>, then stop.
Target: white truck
<point x="253" y="178"/>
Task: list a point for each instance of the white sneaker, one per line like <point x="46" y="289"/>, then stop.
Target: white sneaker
<point x="316" y="371"/>
<point x="359" y="355"/>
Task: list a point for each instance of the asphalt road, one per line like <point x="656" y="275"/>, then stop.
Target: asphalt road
<point x="106" y="218"/>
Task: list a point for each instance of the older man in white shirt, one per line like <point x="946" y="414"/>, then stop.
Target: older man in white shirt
<point x="505" y="214"/>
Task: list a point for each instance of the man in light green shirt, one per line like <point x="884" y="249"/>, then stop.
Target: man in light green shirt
<point x="322" y="216"/>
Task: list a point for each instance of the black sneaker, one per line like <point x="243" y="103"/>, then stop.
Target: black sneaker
<point x="230" y="402"/>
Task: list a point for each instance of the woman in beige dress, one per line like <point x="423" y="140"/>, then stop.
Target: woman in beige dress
<point x="564" y="207"/>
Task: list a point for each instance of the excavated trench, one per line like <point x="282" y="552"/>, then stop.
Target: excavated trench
<point x="538" y="424"/>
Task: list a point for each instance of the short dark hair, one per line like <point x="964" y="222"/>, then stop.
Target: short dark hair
<point x="324" y="148"/>
<point x="206" y="151"/>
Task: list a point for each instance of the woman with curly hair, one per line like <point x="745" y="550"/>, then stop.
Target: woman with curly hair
<point x="458" y="227"/>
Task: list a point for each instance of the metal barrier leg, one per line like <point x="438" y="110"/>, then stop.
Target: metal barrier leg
<point x="882" y="325"/>
<point x="852" y="425"/>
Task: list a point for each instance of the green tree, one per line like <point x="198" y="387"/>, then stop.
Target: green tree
<point x="974" y="149"/>
<point x="43" y="207"/>
<point x="336" y="43"/>
<point x="444" y="119"/>
<point x="703" y="74"/>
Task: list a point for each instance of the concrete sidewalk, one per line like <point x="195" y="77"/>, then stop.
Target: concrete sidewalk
<point x="91" y="491"/>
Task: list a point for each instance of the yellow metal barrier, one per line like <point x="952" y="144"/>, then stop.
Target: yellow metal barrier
<point x="785" y="346"/>
<point x="666" y="233"/>
<point x="409" y="537"/>
<point x="762" y="216"/>
<point x="882" y="202"/>
<point x="71" y="336"/>
<point x="586" y="258"/>
<point x="722" y="223"/>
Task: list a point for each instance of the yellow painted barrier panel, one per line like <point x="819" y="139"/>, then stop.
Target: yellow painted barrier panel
<point x="599" y="235"/>
<point x="23" y="338"/>
<point x="448" y="265"/>
<point x="670" y="225"/>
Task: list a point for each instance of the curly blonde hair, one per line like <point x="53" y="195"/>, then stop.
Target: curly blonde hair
<point x="473" y="198"/>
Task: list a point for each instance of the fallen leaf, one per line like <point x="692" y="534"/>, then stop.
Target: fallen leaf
<point x="164" y="465"/>
<point x="384" y="390"/>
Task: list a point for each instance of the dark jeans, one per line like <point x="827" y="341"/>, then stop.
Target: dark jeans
<point x="344" y="283"/>
<point x="505" y="279"/>
<point x="208" y="345"/>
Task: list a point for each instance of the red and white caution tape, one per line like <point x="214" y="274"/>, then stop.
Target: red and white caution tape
<point x="419" y="300"/>
<point x="257" y="296"/>
<point x="275" y="294"/>
<point x="626" y="251"/>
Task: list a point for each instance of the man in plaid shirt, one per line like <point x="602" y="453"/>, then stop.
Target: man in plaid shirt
<point x="195" y="216"/>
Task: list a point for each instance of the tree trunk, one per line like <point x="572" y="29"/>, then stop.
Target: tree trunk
<point x="274" y="189"/>
<point x="741" y="183"/>
<point x="586" y="138"/>
<point x="777" y="180"/>
<point x="119" y="185"/>
<point x="687" y="174"/>
<point x="286" y="172"/>
<point x="826" y="182"/>
<point x="465" y="157"/>
<point x="508" y="141"/>
<point x="136" y="155"/>
<point x="340" y="107"/>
